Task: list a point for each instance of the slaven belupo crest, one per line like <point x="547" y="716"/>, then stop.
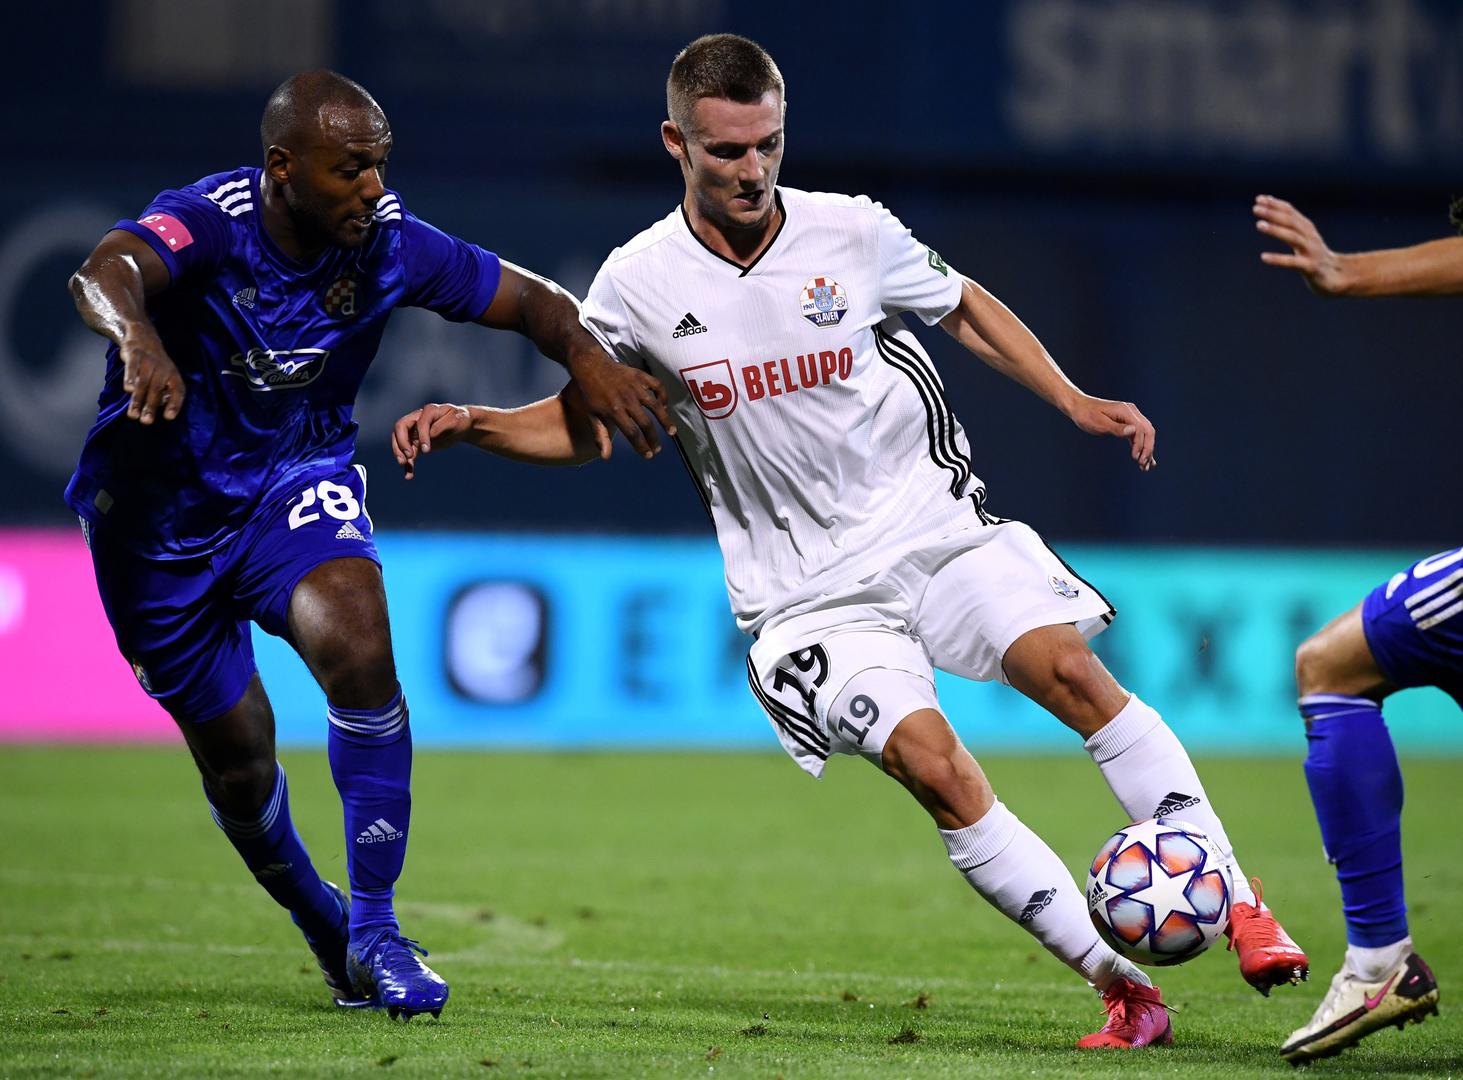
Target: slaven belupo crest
<point x="824" y="302"/>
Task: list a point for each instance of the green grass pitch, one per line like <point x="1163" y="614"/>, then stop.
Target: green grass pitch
<point x="625" y="915"/>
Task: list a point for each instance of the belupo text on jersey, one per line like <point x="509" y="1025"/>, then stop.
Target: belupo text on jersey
<point x="772" y="378"/>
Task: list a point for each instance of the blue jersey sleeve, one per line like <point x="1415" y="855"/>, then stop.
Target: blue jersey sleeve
<point x="189" y="232"/>
<point x="455" y="279"/>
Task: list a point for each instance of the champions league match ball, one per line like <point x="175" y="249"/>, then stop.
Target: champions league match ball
<point x="1159" y="892"/>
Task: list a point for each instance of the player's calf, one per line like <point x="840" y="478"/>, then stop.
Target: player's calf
<point x="370" y="754"/>
<point x="925" y="756"/>
<point x="370" y="758"/>
<point x="271" y="848"/>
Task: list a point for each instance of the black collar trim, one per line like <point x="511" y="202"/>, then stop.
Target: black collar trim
<point x="745" y="270"/>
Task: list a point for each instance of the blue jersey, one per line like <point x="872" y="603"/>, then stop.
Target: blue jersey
<point x="272" y="352"/>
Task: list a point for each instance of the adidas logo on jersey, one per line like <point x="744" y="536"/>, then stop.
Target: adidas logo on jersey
<point x="244" y="298"/>
<point x="1173" y="802"/>
<point x="379" y="831"/>
<point x="1037" y="904"/>
<point x="349" y="532"/>
<point x="688" y="326"/>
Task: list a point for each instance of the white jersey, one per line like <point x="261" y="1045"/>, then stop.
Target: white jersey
<point x="809" y="417"/>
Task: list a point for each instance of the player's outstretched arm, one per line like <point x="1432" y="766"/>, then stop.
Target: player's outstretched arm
<point x="554" y="431"/>
<point x="110" y="291"/>
<point x="621" y="398"/>
<point x="989" y="329"/>
<point x="1431" y="269"/>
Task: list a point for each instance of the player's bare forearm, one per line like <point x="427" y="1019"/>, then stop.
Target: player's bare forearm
<point x="1431" y="269"/>
<point x="1434" y="268"/>
<point x="110" y="291"/>
<point x="619" y="397"/>
<point x="990" y="330"/>
<point x="537" y="434"/>
<point x="553" y="431"/>
<point x="109" y="296"/>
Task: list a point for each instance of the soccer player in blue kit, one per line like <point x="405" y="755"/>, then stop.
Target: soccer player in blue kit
<point x="217" y="485"/>
<point x="1407" y="632"/>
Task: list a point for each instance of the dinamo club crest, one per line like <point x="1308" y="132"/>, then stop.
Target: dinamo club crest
<point x="824" y="302"/>
<point x="340" y="298"/>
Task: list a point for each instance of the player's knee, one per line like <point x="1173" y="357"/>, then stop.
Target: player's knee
<point x="1311" y="666"/>
<point x="949" y="785"/>
<point x="241" y="786"/>
<point x="944" y="776"/>
<point x="925" y="756"/>
<point x="1081" y="692"/>
<point x="358" y="675"/>
<point x="1074" y="671"/>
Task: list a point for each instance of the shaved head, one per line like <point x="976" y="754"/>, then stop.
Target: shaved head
<point x="313" y="103"/>
<point x="326" y="142"/>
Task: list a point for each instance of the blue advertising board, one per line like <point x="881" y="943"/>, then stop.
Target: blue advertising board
<point x="587" y="641"/>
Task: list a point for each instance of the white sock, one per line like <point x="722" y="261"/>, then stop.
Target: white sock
<point x="1372" y="965"/>
<point x="1012" y="867"/>
<point x="1150" y="772"/>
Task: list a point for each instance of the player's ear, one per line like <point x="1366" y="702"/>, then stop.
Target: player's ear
<point x="277" y="163"/>
<point x="675" y="142"/>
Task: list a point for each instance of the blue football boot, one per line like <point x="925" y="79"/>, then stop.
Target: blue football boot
<point x="384" y="967"/>
<point x="330" y="954"/>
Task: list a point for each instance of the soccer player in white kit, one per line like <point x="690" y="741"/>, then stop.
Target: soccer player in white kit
<point x="857" y="547"/>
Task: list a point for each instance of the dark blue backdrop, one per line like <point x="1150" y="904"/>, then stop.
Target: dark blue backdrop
<point x="1090" y="162"/>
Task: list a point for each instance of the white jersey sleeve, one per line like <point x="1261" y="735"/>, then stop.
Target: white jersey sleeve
<point x="605" y="316"/>
<point x="912" y="277"/>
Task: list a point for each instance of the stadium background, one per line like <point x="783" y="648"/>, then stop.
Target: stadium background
<point x="1092" y="162"/>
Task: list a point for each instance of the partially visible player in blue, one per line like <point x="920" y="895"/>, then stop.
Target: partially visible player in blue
<point x="1406" y="632"/>
<point x="217" y="485"/>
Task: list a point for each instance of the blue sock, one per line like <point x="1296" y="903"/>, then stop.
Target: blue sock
<point x="1356" y="785"/>
<point x="370" y="758"/>
<point x="273" y="852"/>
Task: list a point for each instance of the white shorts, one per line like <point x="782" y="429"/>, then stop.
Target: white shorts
<point x="837" y="673"/>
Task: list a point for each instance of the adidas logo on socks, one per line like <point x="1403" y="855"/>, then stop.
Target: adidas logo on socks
<point x="379" y="832"/>
<point x="1173" y="802"/>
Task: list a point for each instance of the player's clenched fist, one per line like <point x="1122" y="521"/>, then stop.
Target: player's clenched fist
<point x="151" y="377"/>
<point x="417" y="430"/>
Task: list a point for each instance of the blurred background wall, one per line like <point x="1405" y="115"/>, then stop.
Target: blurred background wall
<point x="1092" y="162"/>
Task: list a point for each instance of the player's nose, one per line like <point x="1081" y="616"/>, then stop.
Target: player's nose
<point x="751" y="171"/>
<point x="375" y="187"/>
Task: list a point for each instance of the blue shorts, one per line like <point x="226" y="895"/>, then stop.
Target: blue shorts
<point x="183" y="624"/>
<point x="1414" y="624"/>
